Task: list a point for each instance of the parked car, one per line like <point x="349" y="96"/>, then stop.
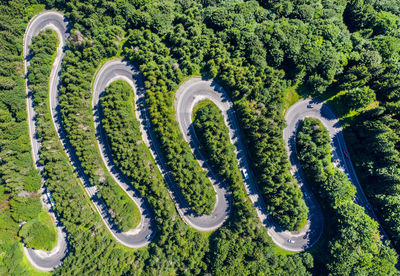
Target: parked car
<point x="245" y="174"/>
<point x="290" y="241"/>
<point x="50" y="198"/>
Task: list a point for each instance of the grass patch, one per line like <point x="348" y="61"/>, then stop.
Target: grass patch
<point x="302" y="224"/>
<point x="40" y="233"/>
<point x="303" y="91"/>
<point x="206" y="234"/>
<point x="136" y="217"/>
<point x="338" y="104"/>
<point x="291" y="97"/>
<point x="33" y="10"/>
<point x="334" y="97"/>
<point x="186" y="78"/>
<point x="45" y="218"/>
<point x="283" y="252"/>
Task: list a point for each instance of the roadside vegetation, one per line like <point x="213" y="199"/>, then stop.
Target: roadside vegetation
<point x="19" y="180"/>
<point x="214" y="140"/>
<point x="345" y="51"/>
<point x="40" y="233"/>
<point x="353" y="235"/>
<point x="128" y="150"/>
<point x="374" y="135"/>
<point x="186" y="171"/>
<point x="117" y="107"/>
<point x="213" y="135"/>
<point x="124" y="212"/>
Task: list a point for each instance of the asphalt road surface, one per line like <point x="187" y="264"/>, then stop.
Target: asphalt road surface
<point x="188" y="95"/>
<point x="316" y="109"/>
<point x="120" y="70"/>
<point x="40" y="259"/>
<point x="135" y="238"/>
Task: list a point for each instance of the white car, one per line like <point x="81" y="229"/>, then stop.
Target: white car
<point x="148" y="236"/>
<point x="245" y="174"/>
<point x="290" y="241"/>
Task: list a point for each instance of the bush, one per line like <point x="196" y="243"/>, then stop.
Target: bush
<point x="359" y="98"/>
<point x="37" y="235"/>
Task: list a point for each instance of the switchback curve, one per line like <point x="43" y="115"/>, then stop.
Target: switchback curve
<point x="319" y="110"/>
<point x="47" y="261"/>
<point x="40" y="259"/>
<point x="109" y="72"/>
<point x="120" y="70"/>
<point x="195" y="90"/>
<point x="189" y="93"/>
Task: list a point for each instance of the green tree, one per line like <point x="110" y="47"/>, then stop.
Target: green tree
<point x="359" y="98"/>
<point x="354" y="243"/>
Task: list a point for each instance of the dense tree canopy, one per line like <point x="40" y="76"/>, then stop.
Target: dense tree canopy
<point x="262" y="52"/>
<point x="358" y="98"/>
<point x="354" y="241"/>
<point x="40" y="232"/>
<point x="372" y="69"/>
<point x="246" y="82"/>
<point x="19" y="181"/>
<point x="213" y="135"/>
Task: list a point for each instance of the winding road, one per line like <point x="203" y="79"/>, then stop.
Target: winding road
<point x="43" y="260"/>
<point x="118" y="69"/>
<point x="319" y="110"/>
<point x="195" y="90"/>
<point x="188" y="95"/>
<point x="134" y="238"/>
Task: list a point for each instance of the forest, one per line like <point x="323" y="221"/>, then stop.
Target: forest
<point x="135" y="161"/>
<point x="214" y="140"/>
<point x="266" y="54"/>
<point x="353" y="236"/>
<point x="17" y="171"/>
<point x="40" y="233"/>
